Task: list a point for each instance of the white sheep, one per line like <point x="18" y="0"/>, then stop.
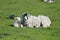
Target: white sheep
<point x="17" y="22"/>
<point x="45" y="21"/>
<point x="49" y="1"/>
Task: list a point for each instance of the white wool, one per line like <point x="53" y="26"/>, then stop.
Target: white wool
<point x="45" y="0"/>
<point x="45" y="20"/>
<point x="49" y="1"/>
<point x="17" y="22"/>
<point x="33" y="21"/>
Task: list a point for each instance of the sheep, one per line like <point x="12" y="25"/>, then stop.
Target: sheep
<point x="49" y="1"/>
<point x="17" y="23"/>
<point x="45" y="21"/>
<point x="31" y="21"/>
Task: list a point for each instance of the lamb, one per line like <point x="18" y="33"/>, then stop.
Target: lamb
<point x="45" y="21"/>
<point x="17" y="23"/>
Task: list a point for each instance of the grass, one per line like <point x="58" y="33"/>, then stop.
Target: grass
<point x="35" y="7"/>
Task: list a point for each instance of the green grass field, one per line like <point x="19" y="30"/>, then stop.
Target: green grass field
<point x="35" y="7"/>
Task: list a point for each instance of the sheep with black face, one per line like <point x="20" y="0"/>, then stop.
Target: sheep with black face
<point x="31" y="21"/>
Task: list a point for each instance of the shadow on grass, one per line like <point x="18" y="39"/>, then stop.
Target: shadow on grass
<point x="3" y="35"/>
<point x="11" y="17"/>
<point x="11" y="25"/>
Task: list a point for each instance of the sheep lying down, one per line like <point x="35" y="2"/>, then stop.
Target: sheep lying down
<point x="33" y="21"/>
<point x="40" y="21"/>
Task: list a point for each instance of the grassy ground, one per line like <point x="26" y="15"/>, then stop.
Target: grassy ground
<point x="35" y="7"/>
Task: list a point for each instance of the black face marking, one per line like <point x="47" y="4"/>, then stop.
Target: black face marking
<point x="24" y="19"/>
<point x="25" y="15"/>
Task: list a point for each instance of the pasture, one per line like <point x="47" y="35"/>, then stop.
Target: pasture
<point x="34" y="7"/>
